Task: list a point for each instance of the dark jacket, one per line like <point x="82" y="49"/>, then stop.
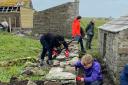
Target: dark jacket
<point x="90" y="28"/>
<point x="124" y="76"/>
<point x="82" y="32"/>
<point x="52" y="41"/>
<point x="91" y="74"/>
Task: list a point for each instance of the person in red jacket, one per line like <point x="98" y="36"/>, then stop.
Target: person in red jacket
<point x="76" y="32"/>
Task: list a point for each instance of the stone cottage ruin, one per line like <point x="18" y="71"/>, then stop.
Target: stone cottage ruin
<point x="18" y="13"/>
<point x="57" y="19"/>
<point x="113" y="43"/>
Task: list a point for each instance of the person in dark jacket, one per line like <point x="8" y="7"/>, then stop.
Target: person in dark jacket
<point x="124" y="76"/>
<point x="76" y="32"/>
<point x="92" y="70"/>
<point x="90" y="33"/>
<point x="49" y="42"/>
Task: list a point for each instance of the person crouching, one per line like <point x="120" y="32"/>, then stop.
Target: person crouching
<point x="49" y="42"/>
<point x="92" y="70"/>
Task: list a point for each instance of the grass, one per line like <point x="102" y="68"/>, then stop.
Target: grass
<point x="7" y="72"/>
<point x="12" y="47"/>
<point x="15" y="47"/>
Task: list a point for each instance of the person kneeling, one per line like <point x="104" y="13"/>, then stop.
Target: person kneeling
<point x="92" y="70"/>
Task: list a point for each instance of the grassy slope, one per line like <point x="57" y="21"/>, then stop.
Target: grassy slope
<point x="14" y="47"/>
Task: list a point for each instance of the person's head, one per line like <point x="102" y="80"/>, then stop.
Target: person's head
<point x="87" y="60"/>
<point x="93" y="21"/>
<point x="78" y="17"/>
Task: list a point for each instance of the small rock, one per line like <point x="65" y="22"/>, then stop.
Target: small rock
<point x="31" y="83"/>
<point x="60" y="76"/>
<point x="72" y="62"/>
<point x="52" y="83"/>
<point x="69" y="69"/>
<point x="30" y="64"/>
<point x="56" y="63"/>
<point x="56" y="70"/>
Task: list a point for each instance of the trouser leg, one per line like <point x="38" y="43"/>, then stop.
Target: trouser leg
<point x="81" y="45"/>
<point x="90" y="41"/>
<point x="87" y="42"/>
<point x="43" y="53"/>
<point x="49" y="54"/>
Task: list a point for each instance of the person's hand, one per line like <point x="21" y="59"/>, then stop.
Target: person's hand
<point x="66" y="53"/>
<point x="82" y="79"/>
<point x="78" y="78"/>
<point x="85" y="36"/>
<point x="54" y="52"/>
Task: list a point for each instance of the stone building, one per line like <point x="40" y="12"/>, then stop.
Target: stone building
<point x="113" y="43"/>
<point x="18" y="13"/>
<point x="57" y="19"/>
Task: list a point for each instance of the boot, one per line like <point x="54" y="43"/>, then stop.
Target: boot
<point x="49" y="62"/>
<point x="83" y="51"/>
<point x="42" y="63"/>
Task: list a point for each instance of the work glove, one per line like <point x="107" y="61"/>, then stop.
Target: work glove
<point x="66" y="53"/>
<point x="54" y="52"/>
<point x="78" y="78"/>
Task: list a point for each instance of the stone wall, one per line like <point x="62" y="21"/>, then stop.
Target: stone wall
<point x="122" y="49"/>
<point x="56" y="20"/>
<point x="114" y="49"/>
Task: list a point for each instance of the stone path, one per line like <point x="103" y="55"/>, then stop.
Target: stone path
<point x="62" y="72"/>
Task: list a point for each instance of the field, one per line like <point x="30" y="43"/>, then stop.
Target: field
<point x="15" y="47"/>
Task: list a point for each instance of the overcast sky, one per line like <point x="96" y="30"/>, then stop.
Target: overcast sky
<point x="90" y="8"/>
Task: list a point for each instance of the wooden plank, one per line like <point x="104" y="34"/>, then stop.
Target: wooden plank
<point x="26" y="18"/>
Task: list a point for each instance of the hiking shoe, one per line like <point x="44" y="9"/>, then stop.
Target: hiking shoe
<point x="42" y="63"/>
<point x="83" y="51"/>
<point x="49" y="62"/>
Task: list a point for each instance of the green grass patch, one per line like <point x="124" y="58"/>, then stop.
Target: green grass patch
<point x="13" y="47"/>
<point x="7" y="72"/>
<point x="16" y="47"/>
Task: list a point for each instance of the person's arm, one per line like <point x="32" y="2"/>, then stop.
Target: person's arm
<point x="93" y="77"/>
<point x="65" y="44"/>
<point x="87" y="28"/>
<point x="78" y="64"/>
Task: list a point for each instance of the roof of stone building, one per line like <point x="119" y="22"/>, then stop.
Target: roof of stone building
<point x="116" y="25"/>
<point x="25" y="3"/>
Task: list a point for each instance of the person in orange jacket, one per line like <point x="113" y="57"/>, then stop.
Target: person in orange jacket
<point x="76" y="32"/>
